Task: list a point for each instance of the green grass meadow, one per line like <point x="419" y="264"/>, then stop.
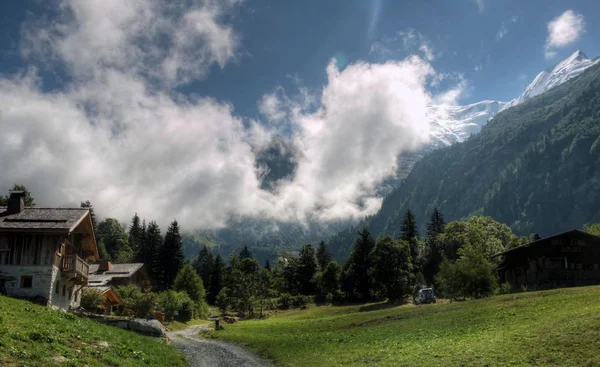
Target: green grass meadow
<point x="548" y="328"/>
<point x="32" y="335"/>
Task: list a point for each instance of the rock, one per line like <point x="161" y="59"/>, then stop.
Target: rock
<point x="123" y="324"/>
<point x="59" y="359"/>
<point x="103" y="344"/>
<point x="153" y="327"/>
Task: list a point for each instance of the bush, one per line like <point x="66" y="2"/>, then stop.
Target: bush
<point x="505" y="288"/>
<point x="472" y="275"/>
<point x="92" y="300"/>
<point x="135" y="302"/>
<point x="300" y="301"/>
<point x="336" y="298"/>
<point x="284" y="302"/>
<point x="170" y="302"/>
<point x="287" y="301"/>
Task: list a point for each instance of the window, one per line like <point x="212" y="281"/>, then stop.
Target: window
<point x="26" y="281"/>
<point x="57" y="286"/>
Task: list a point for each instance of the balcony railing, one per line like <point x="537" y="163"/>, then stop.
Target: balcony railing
<point x="75" y="264"/>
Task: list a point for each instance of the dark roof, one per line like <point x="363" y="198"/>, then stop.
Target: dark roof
<point x="102" y="278"/>
<point x="33" y="219"/>
<point x="578" y="231"/>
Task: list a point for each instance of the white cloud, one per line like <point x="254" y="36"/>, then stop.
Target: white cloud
<point x="120" y="136"/>
<point x="164" y="41"/>
<point x="369" y="114"/>
<point x="451" y="96"/>
<point x="480" y="5"/>
<point x="564" y="30"/>
<point x="503" y="31"/>
<point x="409" y="41"/>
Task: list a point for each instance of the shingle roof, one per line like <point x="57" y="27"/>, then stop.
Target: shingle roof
<point x="56" y="219"/>
<point x="103" y="278"/>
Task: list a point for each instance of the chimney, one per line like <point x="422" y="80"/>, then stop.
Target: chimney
<point x="104" y="265"/>
<point x="15" y="203"/>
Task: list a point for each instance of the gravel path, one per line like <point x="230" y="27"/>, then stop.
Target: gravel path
<point x="210" y="353"/>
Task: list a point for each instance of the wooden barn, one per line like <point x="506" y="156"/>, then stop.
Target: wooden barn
<point x="566" y="259"/>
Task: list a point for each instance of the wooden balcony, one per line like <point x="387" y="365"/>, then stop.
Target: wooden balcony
<point x="76" y="266"/>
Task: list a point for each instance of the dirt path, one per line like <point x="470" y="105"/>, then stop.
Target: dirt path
<point x="211" y="353"/>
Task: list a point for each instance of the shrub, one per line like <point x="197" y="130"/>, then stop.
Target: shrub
<point x="92" y="300"/>
<point x="300" y="301"/>
<point x="505" y="288"/>
<point x="170" y="302"/>
<point x="472" y="275"/>
<point x="284" y="302"/>
<point x="135" y="302"/>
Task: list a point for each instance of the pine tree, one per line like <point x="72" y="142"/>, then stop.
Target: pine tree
<point x="171" y="255"/>
<point x="245" y="253"/>
<point x="307" y="268"/>
<point x="324" y="257"/>
<point x="410" y="234"/>
<point x="436" y="224"/>
<point x="139" y="254"/>
<point x="359" y="265"/>
<point x="135" y="233"/>
<point x="204" y="264"/>
<point x="434" y="253"/>
<point x="408" y="230"/>
<point x="268" y="265"/>
<point x="216" y="280"/>
<point x="150" y="253"/>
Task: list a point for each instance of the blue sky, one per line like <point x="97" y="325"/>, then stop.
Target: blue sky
<point x="283" y="40"/>
<point x="163" y="107"/>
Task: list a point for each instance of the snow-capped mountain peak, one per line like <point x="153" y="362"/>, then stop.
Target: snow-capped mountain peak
<point x="567" y="69"/>
<point x="451" y="124"/>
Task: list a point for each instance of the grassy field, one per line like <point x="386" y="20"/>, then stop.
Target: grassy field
<point x="549" y="328"/>
<point x="32" y="335"/>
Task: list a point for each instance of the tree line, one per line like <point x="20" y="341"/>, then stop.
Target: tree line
<point x="456" y="258"/>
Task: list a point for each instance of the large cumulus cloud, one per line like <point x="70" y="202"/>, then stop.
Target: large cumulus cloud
<point x="118" y="134"/>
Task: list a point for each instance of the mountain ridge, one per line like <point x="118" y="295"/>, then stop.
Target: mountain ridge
<point x="534" y="167"/>
<point x="452" y="124"/>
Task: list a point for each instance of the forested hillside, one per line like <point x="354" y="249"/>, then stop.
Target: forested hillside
<point x="535" y="167"/>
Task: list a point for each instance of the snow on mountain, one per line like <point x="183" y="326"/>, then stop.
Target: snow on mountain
<point x="569" y="68"/>
<point x="452" y="124"/>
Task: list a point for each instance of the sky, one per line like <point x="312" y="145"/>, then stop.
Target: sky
<point x="162" y="108"/>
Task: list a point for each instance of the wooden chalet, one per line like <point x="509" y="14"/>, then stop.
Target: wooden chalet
<point x="44" y="252"/>
<point x="565" y="259"/>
